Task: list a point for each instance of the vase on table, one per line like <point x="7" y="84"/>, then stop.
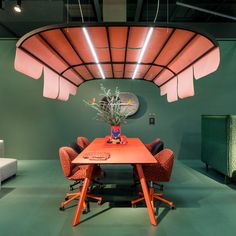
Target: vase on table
<point x="115" y="136"/>
<point x="115" y="132"/>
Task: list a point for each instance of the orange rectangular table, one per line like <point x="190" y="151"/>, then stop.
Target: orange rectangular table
<point x="134" y="152"/>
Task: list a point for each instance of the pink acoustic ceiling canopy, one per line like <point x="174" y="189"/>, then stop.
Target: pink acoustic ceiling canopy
<point x="172" y="58"/>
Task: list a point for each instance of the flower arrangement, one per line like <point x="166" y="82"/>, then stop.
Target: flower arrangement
<point x="109" y="107"/>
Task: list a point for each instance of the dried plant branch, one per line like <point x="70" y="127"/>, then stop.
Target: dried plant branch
<point x="109" y="108"/>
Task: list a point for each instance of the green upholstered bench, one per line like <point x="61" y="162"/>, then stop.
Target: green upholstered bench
<point x="219" y="143"/>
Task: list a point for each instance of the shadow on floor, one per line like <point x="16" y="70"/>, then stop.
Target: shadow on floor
<point x="160" y="213"/>
<point x="4" y="191"/>
<point x="119" y="196"/>
<point x="212" y="173"/>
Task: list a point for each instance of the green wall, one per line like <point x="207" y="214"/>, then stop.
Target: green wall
<point x="34" y="127"/>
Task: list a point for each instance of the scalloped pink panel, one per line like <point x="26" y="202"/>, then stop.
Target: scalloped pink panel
<point x="84" y="72"/>
<point x="72" y="89"/>
<point x="208" y="64"/>
<point x="94" y="70"/>
<point x="66" y="88"/>
<point x="118" y="55"/>
<point x="73" y="76"/>
<point x="129" y="71"/>
<point x="154" y="70"/>
<point x="99" y="39"/>
<point x="107" y="69"/>
<point x="103" y="55"/>
<point x="198" y="46"/>
<point x="41" y="50"/>
<point x="98" y="36"/>
<point x="78" y="40"/>
<point x="163" y="90"/>
<point x="137" y="36"/>
<point x="60" y="43"/>
<point x="185" y="83"/>
<point x="174" y="45"/>
<point x="163" y="77"/>
<point x="118" y="70"/>
<point x="133" y="55"/>
<point x="140" y="72"/>
<point x="159" y="35"/>
<point x="51" y="84"/>
<point x="118" y="37"/>
<point x="27" y="65"/>
<point x="170" y="88"/>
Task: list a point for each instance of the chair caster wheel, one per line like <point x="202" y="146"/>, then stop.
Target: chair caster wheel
<point x="61" y="208"/>
<point x="99" y="203"/>
<point x="134" y="206"/>
<point x="87" y="210"/>
<point x="172" y="207"/>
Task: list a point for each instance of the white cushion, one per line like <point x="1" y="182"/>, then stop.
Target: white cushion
<point x="8" y="167"/>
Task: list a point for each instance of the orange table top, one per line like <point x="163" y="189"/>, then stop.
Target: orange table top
<point x="134" y="152"/>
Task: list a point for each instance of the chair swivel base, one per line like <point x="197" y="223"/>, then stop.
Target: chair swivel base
<point x="153" y="196"/>
<point x="72" y="196"/>
<point x="137" y="182"/>
<point x="74" y="184"/>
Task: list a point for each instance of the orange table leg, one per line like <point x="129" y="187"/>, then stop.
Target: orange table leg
<point x="82" y="195"/>
<point x="146" y="194"/>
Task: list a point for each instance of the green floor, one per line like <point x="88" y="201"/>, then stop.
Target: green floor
<point x="29" y="204"/>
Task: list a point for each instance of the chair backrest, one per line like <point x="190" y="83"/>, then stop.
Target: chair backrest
<point x="165" y="161"/>
<point x="161" y="171"/>
<point x="150" y="145"/>
<point x="76" y="147"/>
<point x="82" y="142"/>
<point x="157" y="147"/>
<point x="156" y="140"/>
<point x="67" y="154"/>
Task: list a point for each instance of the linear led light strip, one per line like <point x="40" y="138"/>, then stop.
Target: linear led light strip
<point x="143" y="50"/>
<point x="93" y="52"/>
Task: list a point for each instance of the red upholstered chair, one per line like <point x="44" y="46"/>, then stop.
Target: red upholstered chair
<point x="75" y="173"/>
<point x="154" y="147"/>
<point x="83" y="142"/>
<point x="78" y="146"/>
<point x="150" y="145"/>
<point x="159" y="172"/>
